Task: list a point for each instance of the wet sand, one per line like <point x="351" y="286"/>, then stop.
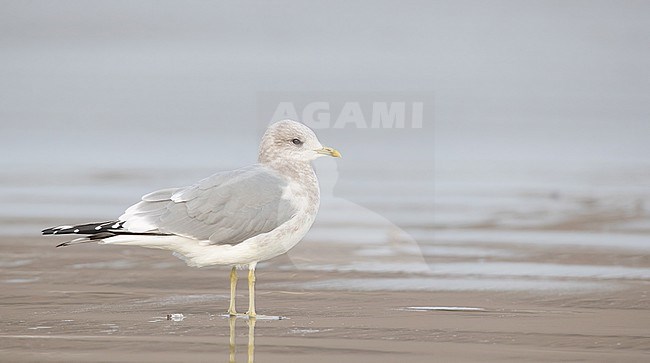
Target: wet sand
<point x="94" y="303"/>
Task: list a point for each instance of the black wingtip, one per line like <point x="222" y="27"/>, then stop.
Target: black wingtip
<point x="86" y="228"/>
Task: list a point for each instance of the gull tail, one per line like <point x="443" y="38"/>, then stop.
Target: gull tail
<point x="94" y="232"/>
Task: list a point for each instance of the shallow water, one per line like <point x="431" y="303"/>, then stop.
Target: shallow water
<point x="454" y="229"/>
<point x="99" y="303"/>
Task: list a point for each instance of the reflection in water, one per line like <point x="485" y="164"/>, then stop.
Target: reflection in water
<point x="251" y="339"/>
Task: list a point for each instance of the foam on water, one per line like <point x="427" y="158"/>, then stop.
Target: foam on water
<point x="451" y="284"/>
<point x="443" y="308"/>
<point x="491" y="269"/>
<point x="545" y="238"/>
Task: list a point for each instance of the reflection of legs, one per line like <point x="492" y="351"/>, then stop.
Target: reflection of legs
<point x="233" y="287"/>
<point x="233" y="345"/>
<point x="251" y="290"/>
<point x="251" y="339"/>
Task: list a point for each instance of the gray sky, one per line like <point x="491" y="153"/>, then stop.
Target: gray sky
<point x="544" y="80"/>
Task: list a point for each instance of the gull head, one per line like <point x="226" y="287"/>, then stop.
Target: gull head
<point x="291" y="140"/>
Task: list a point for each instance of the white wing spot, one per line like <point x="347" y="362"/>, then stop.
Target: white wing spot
<point x="76" y="230"/>
<point x="98" y="228"/>
<point x="116" y="225"/>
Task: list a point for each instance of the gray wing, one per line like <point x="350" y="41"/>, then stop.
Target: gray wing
<point x="226" y="208"/>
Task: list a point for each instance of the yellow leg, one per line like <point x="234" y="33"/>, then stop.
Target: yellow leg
<point x="233" y="288"/>
<point x="251" y="291"/>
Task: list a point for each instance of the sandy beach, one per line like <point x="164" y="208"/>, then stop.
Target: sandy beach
<point x="99" y="304"/>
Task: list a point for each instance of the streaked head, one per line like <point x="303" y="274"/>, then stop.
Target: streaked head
<point x="291" y="140"/>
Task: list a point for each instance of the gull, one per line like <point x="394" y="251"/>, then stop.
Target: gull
<point x="235" y="218"/>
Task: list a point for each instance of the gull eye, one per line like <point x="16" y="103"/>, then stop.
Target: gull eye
<point x="296" y="142"/>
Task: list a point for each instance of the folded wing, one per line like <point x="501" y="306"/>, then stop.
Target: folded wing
<point x="226" y="208"/>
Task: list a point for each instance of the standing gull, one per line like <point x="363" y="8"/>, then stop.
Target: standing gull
<point x="235" y="218"/>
